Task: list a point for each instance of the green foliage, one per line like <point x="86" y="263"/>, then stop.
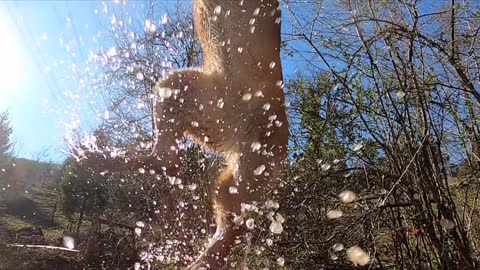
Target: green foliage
<point x="469" y="167"/>
<point x="81" y="190"/>
<point x="13" y="223"/>
<point x="324" y="126"/>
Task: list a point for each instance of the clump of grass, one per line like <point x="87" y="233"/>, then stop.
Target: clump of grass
<point x="13" y="223"/>
<point x="51" y="233"/>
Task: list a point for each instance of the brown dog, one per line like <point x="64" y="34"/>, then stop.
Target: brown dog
<point x="233" y="104"/>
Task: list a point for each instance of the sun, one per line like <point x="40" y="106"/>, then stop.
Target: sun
<point x="11" y="60"/>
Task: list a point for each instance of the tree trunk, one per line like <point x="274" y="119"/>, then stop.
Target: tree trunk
<point x="80" y="219"/>
<point x="54" y="211"/>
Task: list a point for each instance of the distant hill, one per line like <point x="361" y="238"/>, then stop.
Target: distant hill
<point x="21" y="173"/>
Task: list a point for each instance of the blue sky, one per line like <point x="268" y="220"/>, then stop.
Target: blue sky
<point x="32" y="93"/>
<point x="40" y="42"/>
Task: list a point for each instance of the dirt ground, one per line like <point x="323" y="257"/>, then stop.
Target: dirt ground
<point x="29" y="259"/>
<point x="27" y="210"/>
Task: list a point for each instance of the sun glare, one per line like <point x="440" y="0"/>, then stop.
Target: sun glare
<point x="11" y="61"/>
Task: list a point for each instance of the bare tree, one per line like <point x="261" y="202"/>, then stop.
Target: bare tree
<point x="409" y="73"/>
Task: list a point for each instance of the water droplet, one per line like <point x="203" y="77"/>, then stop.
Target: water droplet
<point x="164" y="19"/>
<point x="112" y="52"/>
<point x="269" y="204"/>
<point x="256" y="146"/>
<point x="326" y="167"/>
<point x="233" y="190"/>
<point x="152" y="28"/>
<point x="357" y="256"/>
<point x="357" y="147"/>
<point x="259" y="170"/>
<point x="217" y="10"/>
<point x="220" y="103"/>
<point x="250" y="223"/>
<point x="347" y="196"/>
<point x="68" y="242"/>
<point x="334" y="214"/>
<point x="276" y="227"/>
<point x="164" y="92"/>
<point x="279" y="218"/>
<point x="113" y="20"/>
<point x="247" y="97"/>
<point x="269" y="242"/>
<point x="338" y="247"/>
<point x="177" y="181"/>
<point x="276" y="205"/>
<point x="238" y="220"/>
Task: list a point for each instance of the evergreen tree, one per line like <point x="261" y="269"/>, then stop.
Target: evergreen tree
<point x="82" y="191"/>
<point x="5" y="133"/>
<point x="322" y="123"/>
